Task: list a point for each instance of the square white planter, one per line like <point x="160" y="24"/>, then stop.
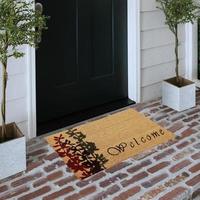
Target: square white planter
<point x="13" y="155"/>
<point x="179" y="98"/>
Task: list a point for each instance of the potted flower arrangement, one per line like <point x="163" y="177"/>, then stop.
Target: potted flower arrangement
<point x="178" y="92"/>
<point x="20" y="24"/>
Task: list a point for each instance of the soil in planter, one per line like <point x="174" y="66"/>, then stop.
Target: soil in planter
<point x="183" y="82"/>
<point x="12" y="132"/>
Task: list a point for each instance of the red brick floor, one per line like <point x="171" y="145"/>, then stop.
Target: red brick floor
<point x="167" y="172"/>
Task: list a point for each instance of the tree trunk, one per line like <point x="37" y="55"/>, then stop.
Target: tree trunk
<point x="177" y="56"/>
<point x="3" y="102"/>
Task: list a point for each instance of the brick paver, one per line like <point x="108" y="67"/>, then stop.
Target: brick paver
<point x="169" y="171"/>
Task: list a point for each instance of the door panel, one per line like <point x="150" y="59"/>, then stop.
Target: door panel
<point x="102" y="53"/>
<point x="82" y="60"/>
<point x="199" y="49"/>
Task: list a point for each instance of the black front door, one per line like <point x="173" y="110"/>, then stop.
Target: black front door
<point x="82" y="60"/>
<point x="199" y="49"/>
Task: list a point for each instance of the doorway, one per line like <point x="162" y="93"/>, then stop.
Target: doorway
<point x="82" y="61"/>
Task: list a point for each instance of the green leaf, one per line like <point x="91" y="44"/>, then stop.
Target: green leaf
<point x="20" y="25"/>
<point x="179" y="11"/>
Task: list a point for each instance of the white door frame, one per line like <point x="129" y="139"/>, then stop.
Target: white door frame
<point x="134" y="72"/>
<point x="31" y="92"/>
<point x="134" y="57"/>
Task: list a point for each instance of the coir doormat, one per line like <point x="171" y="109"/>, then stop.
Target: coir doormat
<point x="100" y="144"/>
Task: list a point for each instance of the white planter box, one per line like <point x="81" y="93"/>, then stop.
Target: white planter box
<point x="12" y="156"/>
<point x="178" y="98"/>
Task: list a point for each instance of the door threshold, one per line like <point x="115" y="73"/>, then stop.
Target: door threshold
<point x="73" y="118"/>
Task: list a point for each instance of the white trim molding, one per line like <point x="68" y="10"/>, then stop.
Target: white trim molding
<point x="31" y="98"/>
<point x="31" y="90"/>
<point x="134" y="59"/>
<point x="191" y="50"/>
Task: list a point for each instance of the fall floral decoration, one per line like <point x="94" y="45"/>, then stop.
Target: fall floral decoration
<point x="81" y="154"/>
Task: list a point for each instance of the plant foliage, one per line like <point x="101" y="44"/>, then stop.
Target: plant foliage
<point x="20" y="24"/>
<point x="178" y="12"/>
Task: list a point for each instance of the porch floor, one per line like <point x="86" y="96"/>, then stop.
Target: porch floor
<point x="167" y="172"/>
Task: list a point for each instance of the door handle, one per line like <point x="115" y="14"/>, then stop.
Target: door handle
<point x="39" y="7"/>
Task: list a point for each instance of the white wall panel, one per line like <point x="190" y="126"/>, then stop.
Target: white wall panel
<point x="17" y="105"/>
<point x="152" y="20"/>
<point x="159" y="37"/>
<point x="148" y="5"/>
<point x="157" y="50"/>
<point x="161" y="54"/>
<point x="155" y="74"/>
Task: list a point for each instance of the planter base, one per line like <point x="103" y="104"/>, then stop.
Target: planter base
<point x="12" y="152"/>
<point x="178" y="98"/>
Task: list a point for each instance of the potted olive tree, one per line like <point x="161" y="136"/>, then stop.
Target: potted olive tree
<point x="178" y="92"/>
<point x="20" y="24"/>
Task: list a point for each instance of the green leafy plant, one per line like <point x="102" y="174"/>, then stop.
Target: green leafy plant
<point x="178" y="12"/>
<point x="20" y="24"/>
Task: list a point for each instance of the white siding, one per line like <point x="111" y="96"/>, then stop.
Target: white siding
<point x="17" y="105"/>
<point x="157" y="50"/>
